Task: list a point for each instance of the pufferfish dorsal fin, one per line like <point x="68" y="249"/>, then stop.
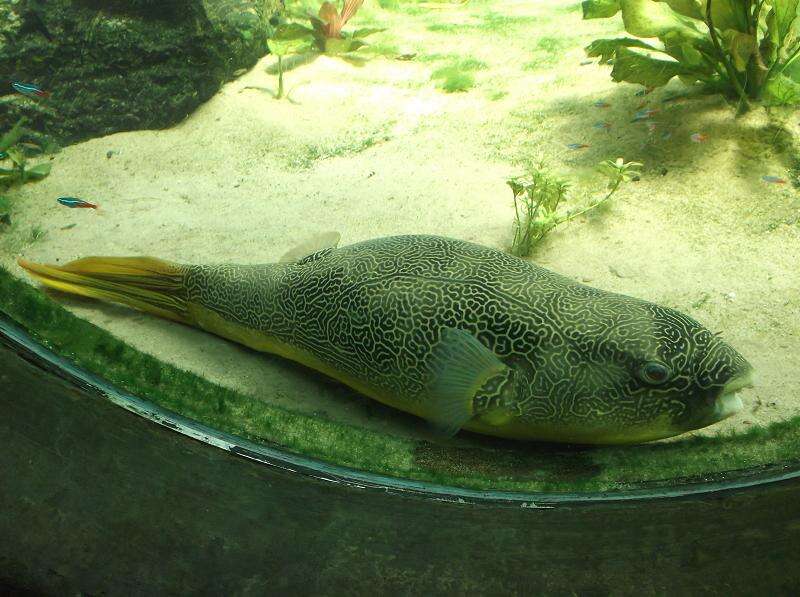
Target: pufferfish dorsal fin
<point x="315" y="244"/>
<point x="460" y="365"/>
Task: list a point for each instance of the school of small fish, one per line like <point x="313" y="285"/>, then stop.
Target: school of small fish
<point x="645" y="114"/>
<point x="34" y="91"/>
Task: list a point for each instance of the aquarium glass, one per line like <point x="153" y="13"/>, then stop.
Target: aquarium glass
<point x="489" y="243"/>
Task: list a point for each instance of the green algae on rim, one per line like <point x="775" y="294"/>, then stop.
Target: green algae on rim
<point x="506" y="466"/>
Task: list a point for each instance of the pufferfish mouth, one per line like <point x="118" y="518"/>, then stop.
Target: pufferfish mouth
<point x="728" y="402"/>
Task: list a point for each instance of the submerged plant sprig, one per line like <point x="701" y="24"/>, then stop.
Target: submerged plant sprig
<point x="10" y="150"/>
<point x="536" y="200"/>
<point x="324" y="36"/>
<point x="14" y="165"/>
<point x="326" y="31"/>
<point x="288" y="38"/>
<point x="538" y="195"/>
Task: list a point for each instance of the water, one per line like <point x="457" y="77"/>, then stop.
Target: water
<point x="419" y="137"/>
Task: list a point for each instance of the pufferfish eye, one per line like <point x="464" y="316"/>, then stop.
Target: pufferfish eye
<point x="654" y="373"/>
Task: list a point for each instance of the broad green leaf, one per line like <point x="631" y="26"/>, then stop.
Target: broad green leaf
<point x="605" y="48"/>
<point x="335" y="45"/>
<point x="599" y="9"/>
<point x="688" y="56"/>
<point x="781" y="91"/>
<point x="687" y="49"/>
<point x="785" y="15"/>
<point x="364" y="32"/>
<point x="283" y="48"/>
<point x="39" y="171"/>
<point x="769" y="43"/>
<point x="317" y="24"/>
<point x="741" y="46"/>
<point x="12" y="136"/>
<point x="687" y="8"/>
<point x="290" y="38"/>
<point x="634" y="67"/>
<point x="726" y="14"/>
<point x="646" y="18"/>
<point x="291" y="31"/>
<point x="16" y="156"/>
<point x="793" y="70"/>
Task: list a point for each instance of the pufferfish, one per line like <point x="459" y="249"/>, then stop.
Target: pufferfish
<point x="462" y="335"/>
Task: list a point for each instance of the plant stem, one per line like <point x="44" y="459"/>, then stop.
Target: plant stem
<point x="789" y="60"/>
<point x="755" y="18"/>
<point x="279" y="95"/>
<point x="591" y="206"/>
<point x="517" y="226"/>
<point x="723" y="58"/>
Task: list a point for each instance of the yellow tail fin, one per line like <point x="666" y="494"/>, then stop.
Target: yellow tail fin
<point x="146" y="283"/>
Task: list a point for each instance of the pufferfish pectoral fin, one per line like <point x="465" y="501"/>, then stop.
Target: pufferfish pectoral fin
<point x="319" y="242"/>
<point x="460" y="365"/>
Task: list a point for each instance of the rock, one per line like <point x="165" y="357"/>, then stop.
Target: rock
<point x="618" y="272"/>
<point x="116" y="65"/>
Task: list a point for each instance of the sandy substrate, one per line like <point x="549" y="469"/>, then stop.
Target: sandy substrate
<point x="377" y="149"/>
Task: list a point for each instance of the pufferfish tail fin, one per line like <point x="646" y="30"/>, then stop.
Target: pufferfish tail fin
<point x="145" y="283"/>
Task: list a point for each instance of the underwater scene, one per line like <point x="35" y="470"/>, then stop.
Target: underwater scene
<point x="538" y="244"/>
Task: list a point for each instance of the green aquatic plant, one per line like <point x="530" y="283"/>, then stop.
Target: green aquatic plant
<point x="326" y="32"/>
<point x="11" y="150"/>
<point x="13" y="153"/>
<point x="325" y="35"/>
<point x="452" y="80"/>
<point x="746" y="49"/>
<point x="546" y="51"/>
<point x="5" y="211"/>
<point x="458" y="75"/>
<point x="36" y="234"/>
<point x="288" y="38"/>
<point x="537" y="197"/>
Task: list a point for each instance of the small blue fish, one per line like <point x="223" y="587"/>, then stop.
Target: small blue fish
<point x="773" y="179"/>
<point x="601" y="104"/>
<point x="577" y="145"/>
<point x="602" y="125"/>
<point x="644" y="114"/>
<point x="29" y="89"/>
<point x="75" y="202"/>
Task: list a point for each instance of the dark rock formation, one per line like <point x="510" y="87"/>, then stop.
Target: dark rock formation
<point x="115" y="65"/>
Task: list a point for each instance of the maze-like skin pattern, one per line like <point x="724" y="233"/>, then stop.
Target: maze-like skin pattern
<point x="376" y="309"/>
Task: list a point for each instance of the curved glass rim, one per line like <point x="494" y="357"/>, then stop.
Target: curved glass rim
<point x="20" y="341"/>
